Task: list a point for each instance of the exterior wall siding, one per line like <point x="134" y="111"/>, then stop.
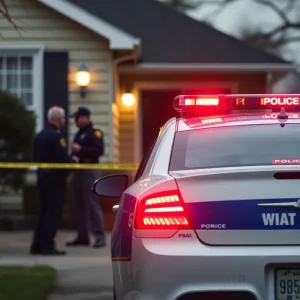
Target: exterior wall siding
<point x="40" y="25"/>
<point x="116" y="130"/>
<point x="127" y="138"/>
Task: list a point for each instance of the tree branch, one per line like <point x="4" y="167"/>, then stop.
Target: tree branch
<point x="4" y="12"/>
<point x="270" y="40"/>
<point x="276" y="9"/>
<point x="287" y="24"/>
<point x="266" y="43"/>
<point x="217" y="10"/>
<point x="281" y="29"/>
<point x="289" y="5"/>
<point x="190" y="4"/>
<point x="290" y="40"/>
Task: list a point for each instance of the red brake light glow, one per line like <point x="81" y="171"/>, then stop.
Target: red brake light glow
<point x="161" y="212"/>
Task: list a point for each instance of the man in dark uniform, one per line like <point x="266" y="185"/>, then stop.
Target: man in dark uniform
<point x="88" y="146"/>
<point x="50" y="147"/>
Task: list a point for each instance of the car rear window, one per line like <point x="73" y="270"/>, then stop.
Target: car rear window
<point x="235" y="146"/>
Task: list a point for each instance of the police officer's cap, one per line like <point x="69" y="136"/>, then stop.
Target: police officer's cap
<point x="81" y="111"/>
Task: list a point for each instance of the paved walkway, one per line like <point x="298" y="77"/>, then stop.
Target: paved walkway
<point x="84" y="274"/>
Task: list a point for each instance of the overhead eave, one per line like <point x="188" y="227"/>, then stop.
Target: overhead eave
<point x="225" y="67"/>
<point x="118" y="39"/>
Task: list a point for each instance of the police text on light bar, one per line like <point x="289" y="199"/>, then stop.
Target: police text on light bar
<point x="280" y="100"/>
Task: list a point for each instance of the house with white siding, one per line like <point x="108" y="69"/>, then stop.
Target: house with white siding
<point x="139" y="54"/>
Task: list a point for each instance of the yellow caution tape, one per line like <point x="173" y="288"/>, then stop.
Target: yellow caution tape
<point x="76" y="166"/>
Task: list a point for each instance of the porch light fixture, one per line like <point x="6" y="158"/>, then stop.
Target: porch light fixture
<point x="83" y="78"/>
<point x="128" y="99"/>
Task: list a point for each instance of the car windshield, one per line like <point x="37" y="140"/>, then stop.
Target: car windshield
<point x="246" y="145"/>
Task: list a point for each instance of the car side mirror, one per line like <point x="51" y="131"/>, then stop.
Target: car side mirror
<point x="111" y="185"/>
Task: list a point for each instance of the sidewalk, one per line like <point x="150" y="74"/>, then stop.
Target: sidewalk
<point x="84" y="274"/>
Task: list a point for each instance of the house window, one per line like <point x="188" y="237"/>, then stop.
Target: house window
<point x="21" y="73"/>
<point x="16" y="76"/>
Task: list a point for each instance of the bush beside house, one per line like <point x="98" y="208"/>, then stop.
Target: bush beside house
<point x="17" y="126"/>
<point x="31" y="203"/>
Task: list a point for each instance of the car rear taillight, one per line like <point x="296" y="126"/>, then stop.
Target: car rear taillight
<point x="162" y="211"/>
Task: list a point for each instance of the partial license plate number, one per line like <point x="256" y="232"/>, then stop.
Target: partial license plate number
<point x="287" y="284"/>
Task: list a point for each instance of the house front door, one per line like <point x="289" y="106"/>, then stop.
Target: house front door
<point x="157" y="108"/>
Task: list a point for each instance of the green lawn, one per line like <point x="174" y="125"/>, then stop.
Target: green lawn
<point x="26" y="283"/>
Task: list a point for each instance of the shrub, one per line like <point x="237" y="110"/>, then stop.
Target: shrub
<point x="17" y="129"/>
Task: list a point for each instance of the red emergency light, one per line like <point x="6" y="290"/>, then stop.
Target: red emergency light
<point x="184" y="103"/>
<point x="201" y="101"/>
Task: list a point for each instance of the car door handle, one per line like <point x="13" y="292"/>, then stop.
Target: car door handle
<point x="115" y="208"/>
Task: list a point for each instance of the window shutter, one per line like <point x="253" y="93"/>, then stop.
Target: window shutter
<point x="56" y="91"/>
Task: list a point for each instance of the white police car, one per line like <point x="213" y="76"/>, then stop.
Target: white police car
<point x="214" y="211"/>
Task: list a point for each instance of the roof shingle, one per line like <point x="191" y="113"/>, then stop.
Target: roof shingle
<point x="169" y="36"/>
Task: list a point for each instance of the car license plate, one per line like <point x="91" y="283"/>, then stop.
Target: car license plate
<point x="287" y="284"/>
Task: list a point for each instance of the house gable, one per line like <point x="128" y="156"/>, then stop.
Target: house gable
<point x="169" y="36"/>
<point x="45" y="33"/>
<point x="118" y="39"/>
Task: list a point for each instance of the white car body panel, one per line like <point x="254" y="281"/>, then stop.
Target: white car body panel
<point x="187" y="261"/>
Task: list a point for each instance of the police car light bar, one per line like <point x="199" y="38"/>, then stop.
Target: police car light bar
<point x="183" y="103"/>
